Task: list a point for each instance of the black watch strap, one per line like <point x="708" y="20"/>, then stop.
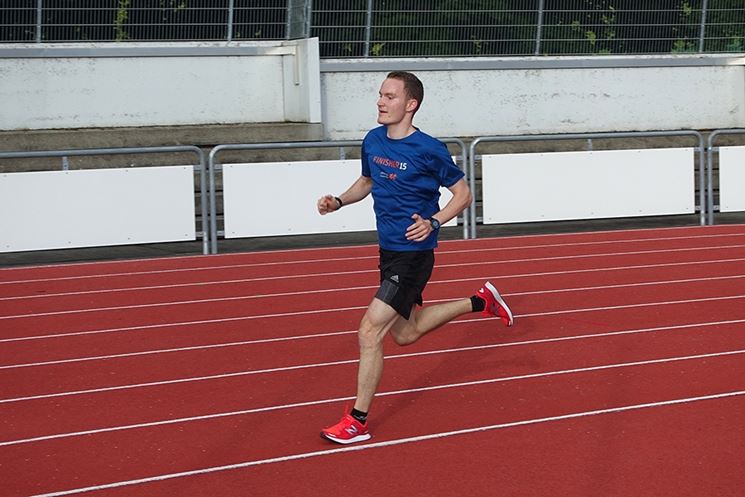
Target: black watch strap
<point x="435" y="223"/>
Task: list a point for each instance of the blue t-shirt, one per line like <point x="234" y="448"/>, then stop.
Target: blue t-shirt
<point x="406" y="175"/>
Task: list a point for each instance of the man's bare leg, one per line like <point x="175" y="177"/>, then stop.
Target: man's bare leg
<point x="380" y="319"/>
<point x="376" y="322"/>
<point x="426" y="319"/>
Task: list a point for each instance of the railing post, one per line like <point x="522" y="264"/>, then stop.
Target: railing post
<point x="298" y="19"/>
<point x="308" y="15"/>
<point x="39" y="8"/>
<point x="539" y="27"/>
<point x="702" y="29"/>
<point x="368" y="28"/>
<point x="231" y="8"/>
<point x="472" y="183"/>
<point x="288" y="16"/>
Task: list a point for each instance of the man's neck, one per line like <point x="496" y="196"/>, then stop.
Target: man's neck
<point x="400" y="130"/>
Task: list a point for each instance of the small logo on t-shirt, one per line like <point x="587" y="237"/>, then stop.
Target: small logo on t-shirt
<point x="382" y="161"/>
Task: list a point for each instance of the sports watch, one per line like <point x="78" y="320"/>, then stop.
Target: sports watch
<point x="435" y="224"/>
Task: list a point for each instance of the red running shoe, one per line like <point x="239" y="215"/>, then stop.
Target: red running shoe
<point x="346" y="431"/>
<point x="495" y="305"/>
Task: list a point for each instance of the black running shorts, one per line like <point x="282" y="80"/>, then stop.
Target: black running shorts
<point x="403" y="276"/>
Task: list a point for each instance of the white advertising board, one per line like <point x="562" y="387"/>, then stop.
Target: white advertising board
<point x="279" y="198"/>
<point x="587" y="185"/>
<point x="89" y="208"/>
<point x="731" y="179"/>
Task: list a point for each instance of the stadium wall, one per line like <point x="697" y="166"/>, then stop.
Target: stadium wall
<point x="130" y="85"/>
<point x="93" y="86"/>
<point x="479" y="97"/>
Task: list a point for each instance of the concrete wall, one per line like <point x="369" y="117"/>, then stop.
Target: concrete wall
<point x="110" y="85"/>
<point x="545" y="95"/>
<point x="142" y="85"/>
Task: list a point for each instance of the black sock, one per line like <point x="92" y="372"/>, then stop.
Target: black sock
<point x="477" y="303"/>
<point x="359" y="416"/>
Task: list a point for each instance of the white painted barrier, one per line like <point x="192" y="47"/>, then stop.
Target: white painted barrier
<point x="279" y="198"/>
<point x="731" y="179"/>
<point x="90" y="208"/>
<point x="587" y="185"/>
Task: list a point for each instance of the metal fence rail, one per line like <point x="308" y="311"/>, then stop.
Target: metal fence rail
<point x="396" y="28"/>
<point x="200" y="167"/>
<point x="214" y="164"/>
<point x="142" y="20"/>
<point x="710" y="149"/>
<point x="208" y="167"/>
<point x="547" y="27"/>
<point x="698" y="137"/>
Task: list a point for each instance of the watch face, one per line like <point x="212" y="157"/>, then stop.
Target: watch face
<point x="435" y="223"/>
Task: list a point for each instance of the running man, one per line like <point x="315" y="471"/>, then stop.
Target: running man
<point x="403" y="168"/>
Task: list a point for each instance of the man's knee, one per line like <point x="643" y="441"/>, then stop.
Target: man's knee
<point x="370" y="334"/>
<point x="404" y="337"/>
<point x="405" y="332"/>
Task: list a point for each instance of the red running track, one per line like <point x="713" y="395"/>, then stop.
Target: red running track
<point x="211" y="376"/>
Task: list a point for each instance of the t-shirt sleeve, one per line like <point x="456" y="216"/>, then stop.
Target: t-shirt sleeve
<point x="444" y="167"/>
<point x="365" y="164"/>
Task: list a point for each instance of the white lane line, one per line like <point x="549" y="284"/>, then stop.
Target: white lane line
<point x="178" y="349"/>
<point x="293" y="313"/>
<point x="399" y="441"/>
<point x="300" y="367"/>
<point x="237" y="281"/>
<point x="434" y="282"/>
<point x="487" y="381"/>
<point x="630" y="306"/>
<point x="339" y="259"/>
<point x="444" y="243"/>
<point x="210" y="346"/>
<point x="443" y="250"/>
<point x="325" y="275"/>
<point x="628" y="285"/>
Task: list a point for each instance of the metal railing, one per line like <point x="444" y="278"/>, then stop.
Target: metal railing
<point x="541" y="27"/>
<point x="214" y="165"/>
<point x="710" y="149"/>
<point x="208" y="166"/>
<point x="142" y="20"/>
<point x="590" y="136"/>
<point x="201" y="167"/>
<point x="396" y="28"/>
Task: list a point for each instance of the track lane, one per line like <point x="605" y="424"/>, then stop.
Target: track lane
<point x="211" y="261"/>
<point x="615" y="455"/>
<point x="404" y="369"/>
<point x="248" y="290"/>
<point x="597" y="319"/>
<point x="75" y="343"/>
<point x="356" y="259"/>
<point x="102" y="458"/>
<point x="85" y="375"/>
<point x="120" y="315"/>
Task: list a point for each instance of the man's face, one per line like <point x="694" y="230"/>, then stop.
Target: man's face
<point x="393" y="102"/>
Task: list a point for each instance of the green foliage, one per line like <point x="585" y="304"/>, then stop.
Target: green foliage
<point x="735" y="44"/>
<point x="683" y="46"/>
<point x="121" y="18"/>
<point x="377" y="49"/>
<point x="686" y="9"/>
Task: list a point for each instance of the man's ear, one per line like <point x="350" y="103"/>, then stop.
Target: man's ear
<point x="411" y="105"/>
